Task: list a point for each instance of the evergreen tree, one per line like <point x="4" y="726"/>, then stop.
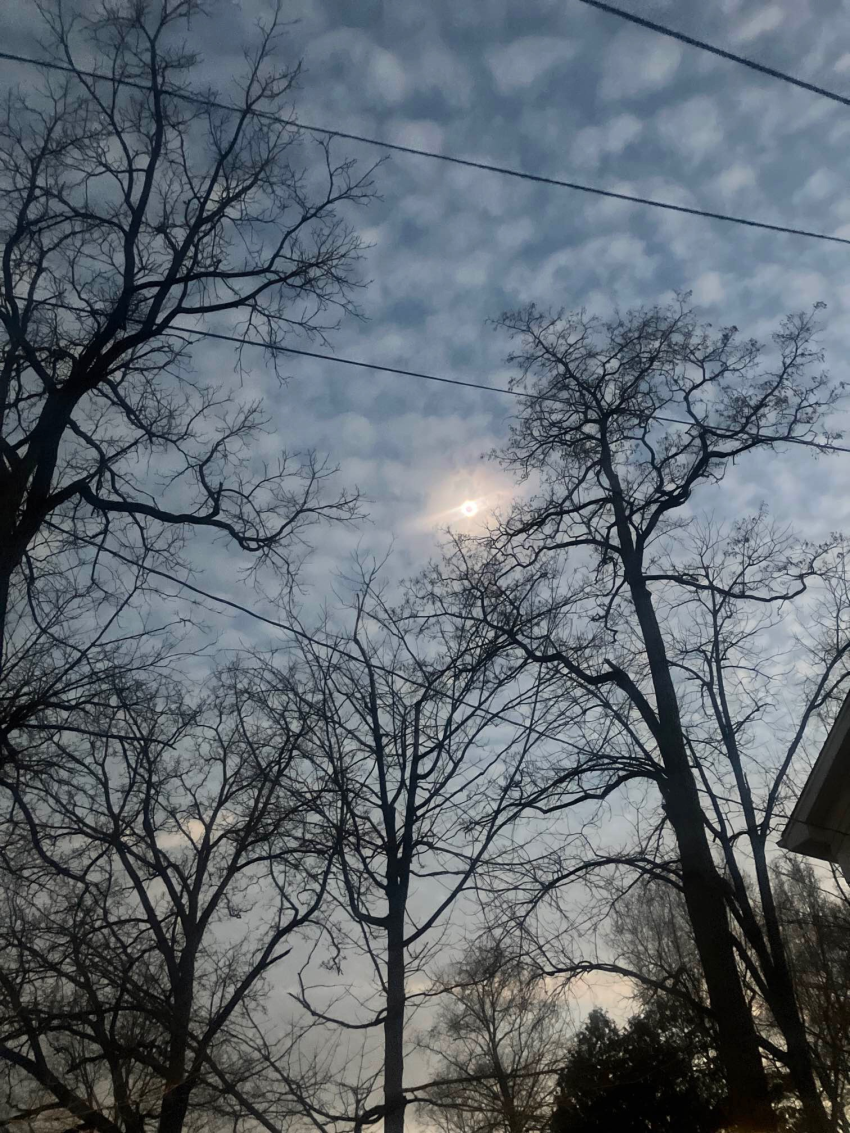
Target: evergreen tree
<point x="658" y="1072"/>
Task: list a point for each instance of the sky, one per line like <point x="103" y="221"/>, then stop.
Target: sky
<point x="562" y="90"/>
<point x="565" y="91"/>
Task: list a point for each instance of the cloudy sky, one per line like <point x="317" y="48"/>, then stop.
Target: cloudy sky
<point x="560" y="89"/>
<point x="556" y="88"/>
<point x="563" y="90"/>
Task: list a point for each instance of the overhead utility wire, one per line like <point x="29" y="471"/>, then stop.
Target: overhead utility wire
<point x="278" y="349"/>
<point x="329" y="645"/>
<point x="274" y="347"/>
<point x="662" y="29"/>
<point x="821" y="446"/>
<point x="304" y="636"/>
<point x="487" y="167"/>
<point x="469" y="163"/>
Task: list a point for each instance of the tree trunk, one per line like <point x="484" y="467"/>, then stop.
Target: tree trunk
<point x="5" y="584"/>
<point x="786" y="1012"/>
<point x="176" y="1089"/>
<point x="512" y="1118"/>
<point x="779" y="984"/>
<point x="175" y="1103"/>
<point x="738" y="1047"/>
<point x="9" y="556"/>
<point x="750" y="1110"/>
<point x="394" y="1021"/>
<point x="799" y="1061"/>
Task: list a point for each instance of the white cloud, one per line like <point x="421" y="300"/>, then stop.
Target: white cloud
<point x="522" y="62"/>
<point x="595" y="142"/>
<point x="803" y="288"/>
<point x="771" y="112"/>
<point x="620" y="260"/>
<point x="838" y="133"/>
<point x="842" y="64"/>
<point x="621" y="251"/>
<point x="420" y="134"/>
<point x="709" y="289"/>
<point x="379" y="71"/>
<point x="493" y="195"/>
<point x="610" y="210"/>
<point x="387" y="75"/>
<point x="441" y="70"/>
<point x="768" y="19"/>
<point x="357" y="432"/>
<point x="474" y="271"/>
<point x="636" y="65"/>
<point x="513" y="235"/>
<point x="693" y="128"/>
<point x="734" y="178"/>
<point x="820" y="185"/>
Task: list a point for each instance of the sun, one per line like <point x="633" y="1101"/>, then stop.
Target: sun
<point x="469" y="507"/>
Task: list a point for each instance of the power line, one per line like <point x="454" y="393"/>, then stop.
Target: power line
<point x="276" y="348"/>
<point x="416" y="151"/>
<point x="824" y="447"/>
<point x="662" y="29"/>
<point x="302" y="635"/>
<point x="336" y="649"/>
<point x="332" y="648"/>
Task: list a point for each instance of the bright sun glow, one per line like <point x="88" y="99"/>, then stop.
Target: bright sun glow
<point x="469" y="507"/>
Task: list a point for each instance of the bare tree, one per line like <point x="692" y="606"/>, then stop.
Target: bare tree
<point x="133" y="204"/>
<point x="424" y="734"/>
<point x="651" y="937"/>
<point x="144" y="830"/>
<point x="155" y="872"/>
<point x="498" y="1043"/>
<point x="815" y="924"/>
<point x="595" y="577"/>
